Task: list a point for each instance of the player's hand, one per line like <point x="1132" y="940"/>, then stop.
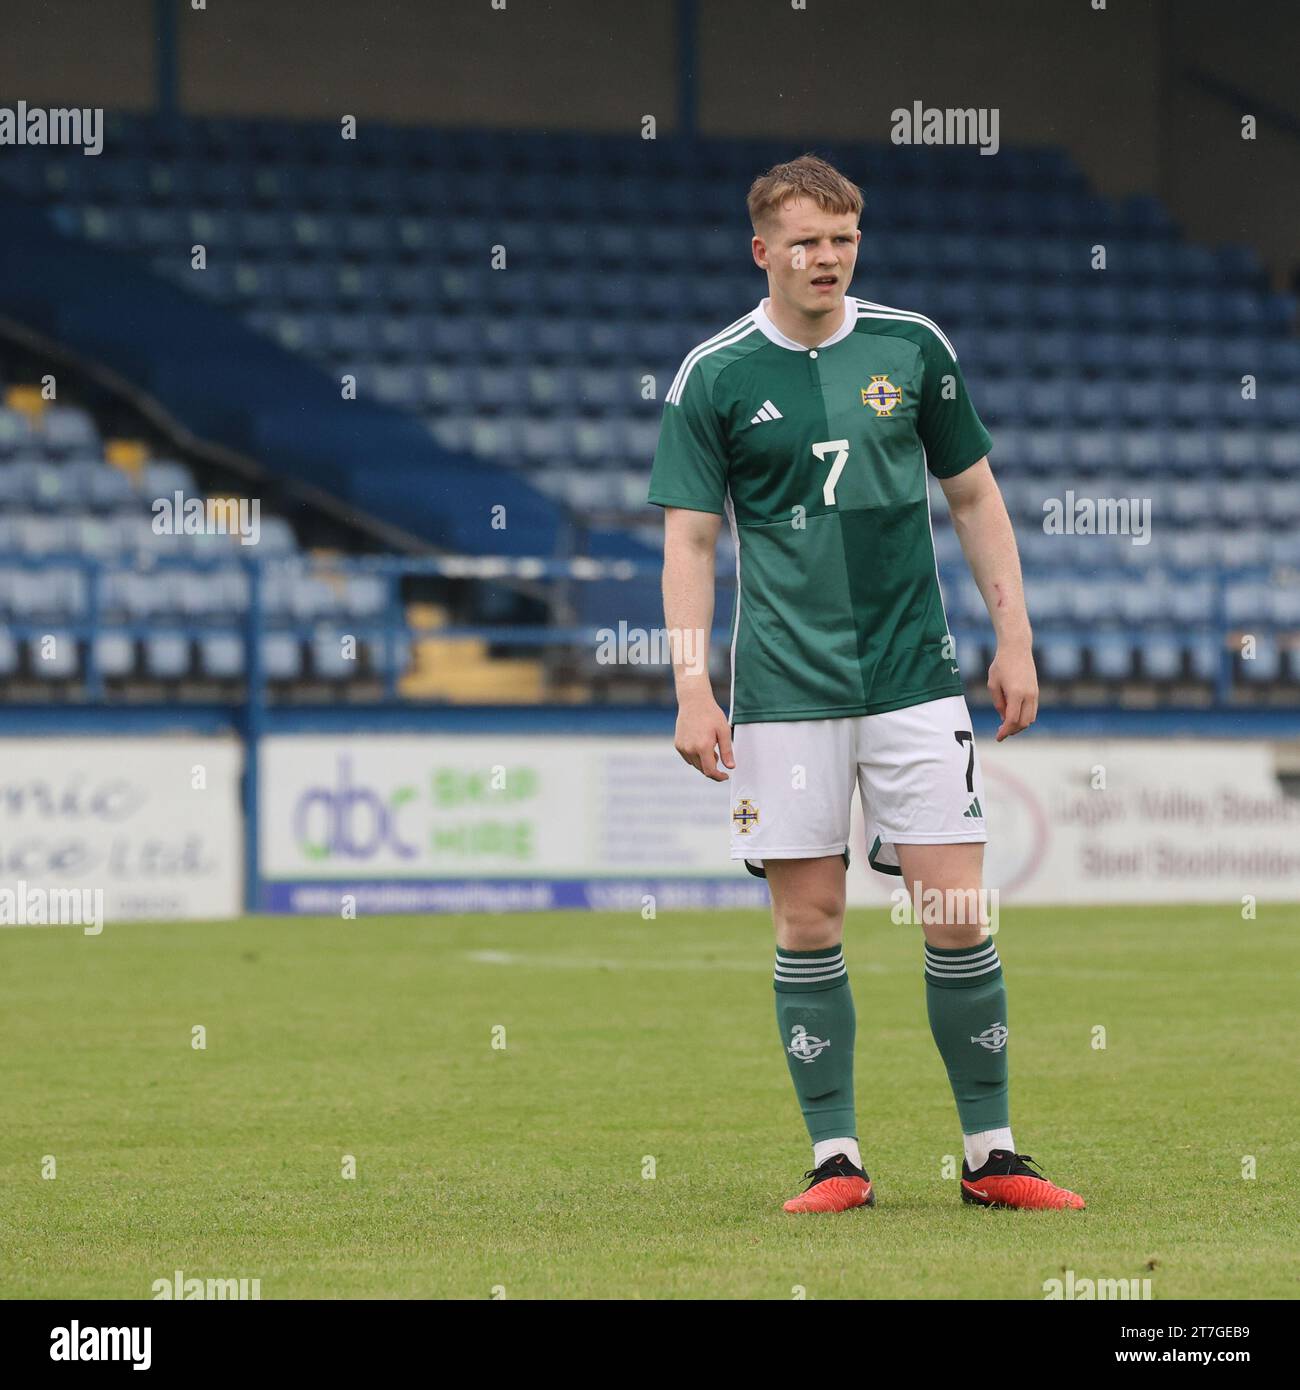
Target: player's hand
<point x="1013" y="683"/>
<point x="703" y="738"/>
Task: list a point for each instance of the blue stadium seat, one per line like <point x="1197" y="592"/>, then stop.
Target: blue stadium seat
<point x="1265" y="666"/>
<point x="1286" y="606"/>
<point x="1193" y="264"/>
<point x="55" y="659"/>
<point x="13" y="486"/>
<point x="1096" y="450"/>
<point x="1045" y="401"/>
<point x="114" y="655"/>
<point x="1146" y="601"/>
<point x="1095" y="402"/>
<point x="1148" y="353"/>
<point x="558" y="340"/>
<point x="402" y="387"/>
<point x="259" y="232"/>
<point x="221" y="656"/>
<point x="43" y="535"/>
<point x="133" y="596"/>
<point x="1143" y="402"/>
<point x="15" y="432"/>
<point x="1197" y="353"/>
<point x="1160" y="655"/>
<point x="595" y="440"/>
<point x="1246" y="602"/>
<point x="328" y="659"/>
<point x="450" y="386"/>
<point x="281" y="656"/>
<point x="1284" y="550"/>
<point x="1192" y="599"/>
<point x="1239" y="503"/>
<point x="311" y="597"/>
<point x="276" y="538"/>
<point x="1282" y="451"/>
<point x="1283" y="504"/>
<point x="49" y="591"/>
<point x="1112" y="656"/>
<point x="167" y="656"/>
<point x="1237" y="549"/>
<point x="1048" y="599"/>
<point x="393" y="656"/>
<point x="398" y="339"/>
<point x="1190" y="502"/>
<point x="165" y="478"/>
<point x="351" y="336"/>
<point x="1099" y="352"/>
<point x="1144" y="450"/>
<point x="366" y="595"/>
<point x="90" y="483"/>
<point x="36" y="484"/>
<point x="1191" y="451"/>
<point x="1060" y="656"/>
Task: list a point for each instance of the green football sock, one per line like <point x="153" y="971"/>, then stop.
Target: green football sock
<point x="814" y="1009"/>
<point x="966" y="998"/>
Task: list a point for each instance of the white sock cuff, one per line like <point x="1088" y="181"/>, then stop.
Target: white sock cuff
<point x="828" y="1148"/>
<point x="979" y="1146"/>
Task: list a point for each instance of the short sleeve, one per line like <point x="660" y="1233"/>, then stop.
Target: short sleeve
<point x="690" y="468"/>
<point x="953" y="434"/>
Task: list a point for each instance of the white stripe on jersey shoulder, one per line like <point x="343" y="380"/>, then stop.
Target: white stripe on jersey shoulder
<point x="733" y="333"/>
<point x="868" y="310"/>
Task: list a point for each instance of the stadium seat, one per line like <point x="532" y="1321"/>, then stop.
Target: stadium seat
<point x="47" y="592"/>
<point x="54" y="656"/>
<point x="366" y="595"/>
<point x="167" y="656"/>
<point x="281" y="657"/>
<point x="1161" y="656"/>
<point x="1060" y="656"/>
<point x="1265" y="666"/>
<point x="329" y="660"/>
<point x="114" y="655"/>
<point x="221" y="656"/>
<point x="165" y="478"/>
<point x="1207" y="656"/>
<point x="1285" y="609"/>
<point x="1112" y="656"/>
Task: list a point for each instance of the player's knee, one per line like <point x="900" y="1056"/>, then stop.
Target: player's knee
<point x="812" y="923"/>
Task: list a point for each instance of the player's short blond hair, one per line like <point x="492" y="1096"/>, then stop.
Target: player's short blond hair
<point x="806" y="177"/>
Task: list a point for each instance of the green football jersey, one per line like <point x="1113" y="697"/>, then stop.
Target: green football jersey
<point x="818" y="458"/>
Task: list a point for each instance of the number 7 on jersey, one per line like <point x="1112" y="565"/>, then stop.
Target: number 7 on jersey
<point x="840" y="448"/>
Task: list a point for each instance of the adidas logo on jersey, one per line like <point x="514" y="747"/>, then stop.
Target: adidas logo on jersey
<point x="975" y="810"/>
<point x="767" y="411"/>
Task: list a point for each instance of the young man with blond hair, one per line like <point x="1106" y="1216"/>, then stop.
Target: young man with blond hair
<point x="811" y="423"/>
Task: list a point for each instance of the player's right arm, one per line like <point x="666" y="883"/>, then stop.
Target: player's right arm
<point x="703" y="736"/>
<point x="689" y="481"/>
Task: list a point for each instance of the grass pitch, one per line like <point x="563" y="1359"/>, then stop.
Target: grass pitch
<point x="631" y="1048"/>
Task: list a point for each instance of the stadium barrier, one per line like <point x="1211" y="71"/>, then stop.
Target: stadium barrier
<point x="353" y="815"/>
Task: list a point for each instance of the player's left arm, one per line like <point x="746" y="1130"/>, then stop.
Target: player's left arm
<point x="979" y="516"/>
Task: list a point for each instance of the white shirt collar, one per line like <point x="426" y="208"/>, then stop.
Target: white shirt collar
<point x="774" y="334"/>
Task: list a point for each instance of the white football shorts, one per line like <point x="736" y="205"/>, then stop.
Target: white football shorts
<point x="916" y="770"/>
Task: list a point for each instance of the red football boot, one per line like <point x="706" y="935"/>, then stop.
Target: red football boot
<point x="1006" y="1181"/>
<point x="836" y="1186"/>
